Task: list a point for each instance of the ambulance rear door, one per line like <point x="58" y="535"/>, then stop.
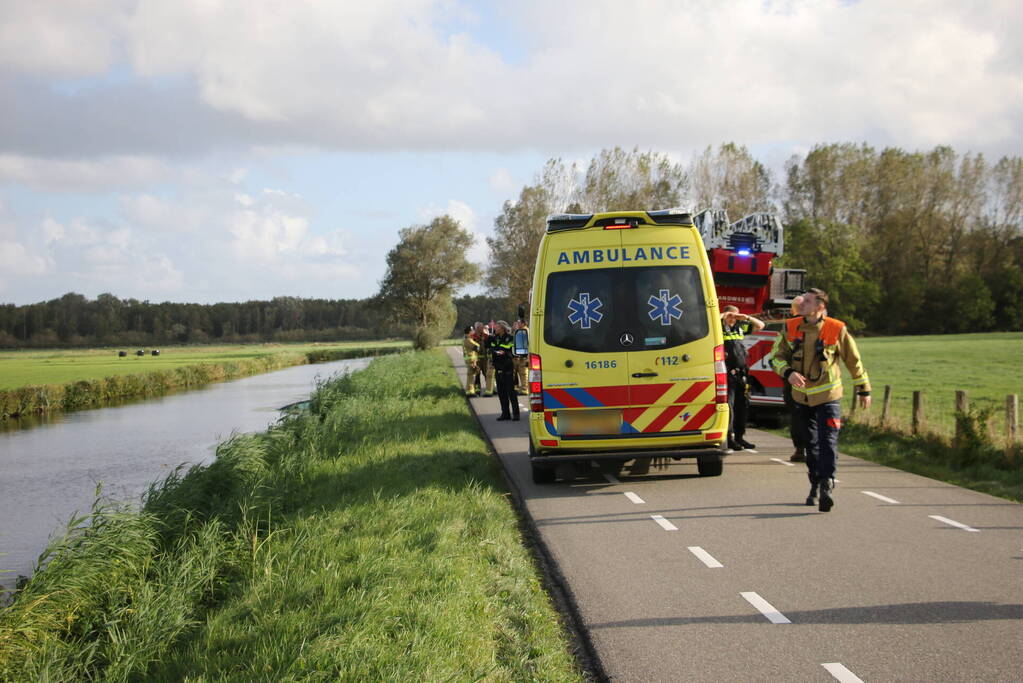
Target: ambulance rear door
<point x="585" y="371"/>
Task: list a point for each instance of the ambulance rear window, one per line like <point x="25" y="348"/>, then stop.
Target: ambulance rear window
<point x="659" y="306"/>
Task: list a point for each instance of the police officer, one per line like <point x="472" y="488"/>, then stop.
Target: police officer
<point x="470" y="352"/>
<point x="735" y="326"/>
<point x="502" y="360"/>
<point x="806" y="355"/>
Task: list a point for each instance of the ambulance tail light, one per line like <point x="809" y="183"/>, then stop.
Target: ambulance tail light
<point x="720" y="375"/>
<point x="535" y="390"/>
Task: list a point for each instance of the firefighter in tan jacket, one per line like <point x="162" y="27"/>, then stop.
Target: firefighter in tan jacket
<point x="807" y="356"/>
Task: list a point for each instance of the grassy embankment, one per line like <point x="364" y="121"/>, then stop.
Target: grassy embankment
<point x="368" y="540"/>
<point x="987" y="366"/>
<point x="33" y="382"/>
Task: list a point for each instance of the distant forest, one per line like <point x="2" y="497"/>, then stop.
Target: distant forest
<point x="74" y="320"/>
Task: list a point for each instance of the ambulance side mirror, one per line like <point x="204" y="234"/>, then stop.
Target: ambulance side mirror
<point x="521" y="343"/>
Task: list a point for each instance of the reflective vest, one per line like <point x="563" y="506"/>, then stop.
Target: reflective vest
<point x="831" y="330"/>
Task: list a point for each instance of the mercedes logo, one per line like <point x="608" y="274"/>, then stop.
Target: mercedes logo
<point x="626" y="339"/>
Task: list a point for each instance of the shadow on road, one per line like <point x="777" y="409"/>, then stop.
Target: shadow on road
<point x="906" y="613"/>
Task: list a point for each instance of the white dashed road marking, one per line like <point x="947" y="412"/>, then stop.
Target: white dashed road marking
<point x="765" y="608"/>
<point x="952" y="522"/>
<point x="880" y="497"/>
<point x="705" y="557"/>
<point x="783" y="462"/>
<point x="612" y="479"/>
<point x="634" y="498"/>
<point x="665" y="524"/>
<point x="841" y="673"/>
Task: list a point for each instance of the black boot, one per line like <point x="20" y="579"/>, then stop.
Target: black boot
<point x="811" y="499"/>
<point x="826" y="503"/>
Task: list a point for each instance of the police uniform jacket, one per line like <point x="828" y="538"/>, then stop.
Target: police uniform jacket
<point x="735" y="351"/>
<point x="501" y="352"/>
<point x="814" y="351"/>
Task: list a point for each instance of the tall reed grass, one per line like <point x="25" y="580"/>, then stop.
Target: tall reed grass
<point x="369" y="539"/>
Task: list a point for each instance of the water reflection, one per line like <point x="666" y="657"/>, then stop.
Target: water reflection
<point x="50" y="467"/>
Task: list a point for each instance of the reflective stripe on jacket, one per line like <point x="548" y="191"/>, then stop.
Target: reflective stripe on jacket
<point x="798" y="350"/>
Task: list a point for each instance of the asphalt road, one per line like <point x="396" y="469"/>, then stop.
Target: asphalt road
<point x="731" y="578"/>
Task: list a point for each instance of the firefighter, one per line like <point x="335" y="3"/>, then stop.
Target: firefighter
<point x="521" y="363"/>
<point x="502" y="362"/>
<point x="483" y="361"/>
<point x="735" y="326"/>
<point x="807" y="356"/>
<point x="470" y="352"/>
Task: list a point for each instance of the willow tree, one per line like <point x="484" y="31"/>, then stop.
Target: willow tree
<point x="424" y="272"/>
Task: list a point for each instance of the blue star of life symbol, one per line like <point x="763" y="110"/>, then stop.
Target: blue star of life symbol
<point x="664" y="308"/>
<point x="584" y="311"/>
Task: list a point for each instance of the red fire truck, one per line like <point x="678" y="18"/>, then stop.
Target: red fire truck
<point x="742" y="258"/>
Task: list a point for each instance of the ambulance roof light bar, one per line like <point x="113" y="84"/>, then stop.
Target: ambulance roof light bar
<point x="678" y="215"/>
<point x="567" y="221"/>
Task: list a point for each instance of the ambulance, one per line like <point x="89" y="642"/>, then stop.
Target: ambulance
<point x="626" y="359"/>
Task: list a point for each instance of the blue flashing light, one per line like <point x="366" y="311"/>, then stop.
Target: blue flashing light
<point x="743" y="252"/>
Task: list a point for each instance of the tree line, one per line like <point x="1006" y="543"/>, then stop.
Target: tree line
<point x="920" y="242"/>
<point x="74" y="320"/>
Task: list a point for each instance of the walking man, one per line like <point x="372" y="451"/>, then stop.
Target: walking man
<point x="735" y="326"/>
<point x="806" y="355"/>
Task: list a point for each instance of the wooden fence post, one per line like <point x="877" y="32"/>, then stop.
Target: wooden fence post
<point x="962" y="406"/>
<point x="1012" y="419"/>
<point x="887" y="404"/>
<point x="918" y="411"/>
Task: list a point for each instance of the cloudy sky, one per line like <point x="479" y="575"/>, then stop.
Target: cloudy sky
<point x="215" y="150"/>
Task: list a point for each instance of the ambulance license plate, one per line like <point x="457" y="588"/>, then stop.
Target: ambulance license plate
<point x="589" y="422"/>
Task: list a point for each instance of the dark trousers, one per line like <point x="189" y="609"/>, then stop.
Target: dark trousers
<point x="821" y="425"/>
<point x="795" y="418"/>
<point x="738" y="406"/>
<point x="505" y="380"/>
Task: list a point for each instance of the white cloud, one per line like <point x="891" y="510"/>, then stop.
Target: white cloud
<point x="76" y="175"/>
<point x="501" y="181"/>
<point x="67" y="38"/>
<point x="410" y="74"/>
<point x="20" y="260"/>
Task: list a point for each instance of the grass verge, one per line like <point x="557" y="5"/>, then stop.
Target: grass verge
<point x="370" y="539"/>
<point x="974" y="465"/>
<point x="95" y="392"/>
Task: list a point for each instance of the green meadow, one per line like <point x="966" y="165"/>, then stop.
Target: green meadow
<point x="987" y="366"/>
<point x="35" y="368"/>
<point x="370" y="539"/>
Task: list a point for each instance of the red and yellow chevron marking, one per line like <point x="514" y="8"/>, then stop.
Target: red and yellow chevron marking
<point x="684" y="400"/>
<point x="693" y="402"/>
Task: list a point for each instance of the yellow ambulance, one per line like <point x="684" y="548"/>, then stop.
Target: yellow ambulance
<point x="625" y="346"/>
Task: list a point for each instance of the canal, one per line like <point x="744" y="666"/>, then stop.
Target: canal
<point x="50" y="470"/>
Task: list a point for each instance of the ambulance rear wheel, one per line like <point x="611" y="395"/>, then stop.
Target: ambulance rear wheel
<point x="710" y="468"/>
<point x="541" y="474"/>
